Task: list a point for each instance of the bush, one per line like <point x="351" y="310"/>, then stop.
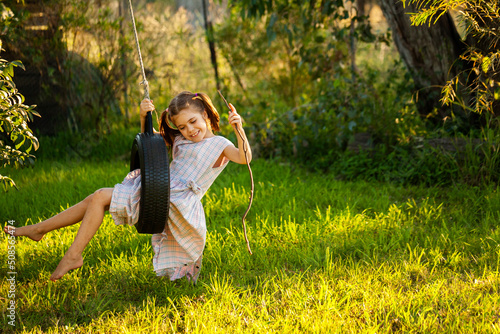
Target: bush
<point x="16" y="138"/>
<point x="319" y="131"/>
<point x="403" y="164"/>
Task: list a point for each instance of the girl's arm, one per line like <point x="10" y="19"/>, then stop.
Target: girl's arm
<point x="146" y="105"/>
<point x="238" y="154"/>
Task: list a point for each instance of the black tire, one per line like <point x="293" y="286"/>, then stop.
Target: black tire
<point x="149" y="153"/>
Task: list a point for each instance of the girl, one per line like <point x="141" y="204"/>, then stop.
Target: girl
<point x="198" y="157"/>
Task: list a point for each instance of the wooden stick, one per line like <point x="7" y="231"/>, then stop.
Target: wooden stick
<point x="245" y="150"/>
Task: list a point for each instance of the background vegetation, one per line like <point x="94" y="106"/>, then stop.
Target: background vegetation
<point x="319" y="83"/>
<point x="370" y="215"/>
<point x="16" y="138"/>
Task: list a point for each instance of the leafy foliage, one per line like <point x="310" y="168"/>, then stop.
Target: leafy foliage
<point x="16" y="139"/>
<point x="481" y="21"/>
<point x="301" y="41"/>
<point x="308" y="77"/>
<point x="319" y="93"/>
<point x="84" y="89"/>
<point x="313" y="97"/>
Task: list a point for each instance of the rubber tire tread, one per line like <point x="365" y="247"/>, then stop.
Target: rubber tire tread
<point x="149" y="153"/>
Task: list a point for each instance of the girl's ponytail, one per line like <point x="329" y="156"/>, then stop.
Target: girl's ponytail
<point x="209" y="107"/>
<point x="167" y="128"/>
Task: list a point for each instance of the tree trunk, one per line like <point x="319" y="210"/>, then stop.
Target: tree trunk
<point x="211" y="43"/>
<point x="123" y="58"/>
<point x="360" y="6"/>
<point x="429" y="52"/>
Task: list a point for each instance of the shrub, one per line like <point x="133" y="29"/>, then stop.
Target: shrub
<point x="478" y="88"/>
<point x="16" y="138"/>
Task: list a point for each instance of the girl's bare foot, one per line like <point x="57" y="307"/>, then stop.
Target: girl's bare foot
<point x="30" y="231"/>
<point x="67" y="263"/>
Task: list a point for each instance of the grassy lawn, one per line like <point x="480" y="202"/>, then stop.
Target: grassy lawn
<point x="329" y="257"/>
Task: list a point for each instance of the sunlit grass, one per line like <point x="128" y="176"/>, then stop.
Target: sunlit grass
<point x="329" y="256"/>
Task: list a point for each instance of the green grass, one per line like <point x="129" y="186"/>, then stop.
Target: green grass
<point x="329" y="257"/>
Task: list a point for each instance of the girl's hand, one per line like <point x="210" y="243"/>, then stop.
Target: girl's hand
<point x="146" y="105"/>
<point x="241" y="154"/>
<point x="234" y="118"/>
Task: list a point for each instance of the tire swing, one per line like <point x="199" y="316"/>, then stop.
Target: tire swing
<point x="149" y="154"/>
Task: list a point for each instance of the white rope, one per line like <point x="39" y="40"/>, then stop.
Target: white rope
<point x="144" y="81"/>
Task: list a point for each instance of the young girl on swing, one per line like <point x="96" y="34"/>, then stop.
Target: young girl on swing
<point x="199" y="157"/>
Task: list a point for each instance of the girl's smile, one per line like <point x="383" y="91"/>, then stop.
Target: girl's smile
<point x="192" y="124"/>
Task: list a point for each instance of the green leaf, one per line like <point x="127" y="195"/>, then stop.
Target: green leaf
<point x="271" y="34"/>
<point x="486" y="64"/>
<point x="9" y="70"/>
<point x="7" y="182"/>
<point x="7" y="127"/>
<point x="35" y="113"/>
<point x="18" y="63"/>
<point x="36" y="145"/>
<point x="21" y="142"/>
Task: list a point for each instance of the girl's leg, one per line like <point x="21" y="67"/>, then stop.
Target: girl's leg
<point x="91" y="222"/>
<point x="68" y="217"/>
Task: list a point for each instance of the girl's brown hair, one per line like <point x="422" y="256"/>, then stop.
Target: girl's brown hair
<point x="200" y="102"/>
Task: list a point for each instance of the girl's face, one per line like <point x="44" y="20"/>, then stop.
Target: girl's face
<point x="192" y="124"/>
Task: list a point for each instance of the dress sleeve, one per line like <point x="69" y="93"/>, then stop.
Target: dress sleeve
<point x="220" y="145"/>
<point x="224" y="142"/>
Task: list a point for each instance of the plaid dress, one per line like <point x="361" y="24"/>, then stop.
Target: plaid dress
<point x="178" y="250"/>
